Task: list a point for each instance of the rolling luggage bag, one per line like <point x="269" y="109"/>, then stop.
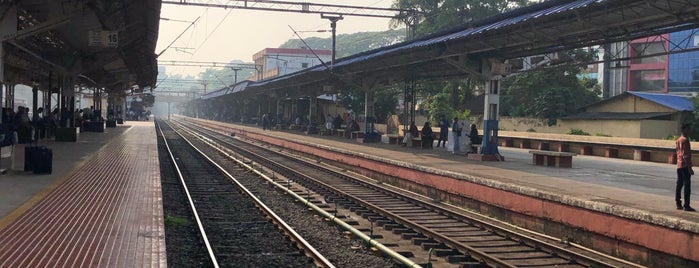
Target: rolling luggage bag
<point x="43" y="160"/>
<point x="30" y="157"/>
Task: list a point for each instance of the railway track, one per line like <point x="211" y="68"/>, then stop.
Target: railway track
<point x="461" y="237"/>
<point x="236" y="227"/>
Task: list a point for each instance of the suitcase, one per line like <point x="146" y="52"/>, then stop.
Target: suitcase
<point x="29" y="157"/>
<point x="44" y="161"/>
<point x="38" y="159"/>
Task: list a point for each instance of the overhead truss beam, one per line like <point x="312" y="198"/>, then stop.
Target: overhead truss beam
<point x="298" y="7"/>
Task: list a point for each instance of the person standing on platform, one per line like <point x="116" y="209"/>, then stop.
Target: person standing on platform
<point x="427" y="136"/>
<point x="457" y="132"/>
<point x="684" y="169"/>
<point x="443" y="131"/>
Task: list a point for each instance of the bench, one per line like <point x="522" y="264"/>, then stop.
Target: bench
<point x="552" y="159"/>
<point x="641" y="155"/>
<point x="356" y="134"/>
<point x="476" y="148"/>
<point x="394" y="139"/>
<point x="416" y="142"/>
<point x="611" y="152"/>
<point x="340" y="132"/>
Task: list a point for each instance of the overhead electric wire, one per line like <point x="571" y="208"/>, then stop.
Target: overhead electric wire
<point x="212" y="32"/>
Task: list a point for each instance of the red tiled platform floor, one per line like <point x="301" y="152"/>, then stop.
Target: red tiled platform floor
<point x="107" y="213"/>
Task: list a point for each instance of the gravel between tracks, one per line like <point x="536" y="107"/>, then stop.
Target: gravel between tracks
<point x="327" y="238"/>
<point x="182" y="242"/>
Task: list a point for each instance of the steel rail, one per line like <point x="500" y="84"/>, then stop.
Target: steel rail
<point x="373" y="242"/>
<point x="484" y="257"/>
<point x="542" y="245"/>
<point x="310" y="251"/>
<point x="200" y="226"/>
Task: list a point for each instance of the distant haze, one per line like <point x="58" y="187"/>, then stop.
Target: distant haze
<point x="242" y="33"/>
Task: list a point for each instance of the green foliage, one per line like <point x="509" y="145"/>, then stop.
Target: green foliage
<point x="531" y="130"/>
<point x="463" y="114"/>
<point x="445" y="98"/>
<point x="385" y="101"/>
<point x="435" y="16"/>
<point x="694" y="120"/>
<point x="672" y="137"/>
<point x="351" y="99"/>
<point x="172" y="221"/>
<point x="577" y="131"/>
<point x="551" y="92"/>
<point x="602" y="135"/>
<point x="350" y="44"/>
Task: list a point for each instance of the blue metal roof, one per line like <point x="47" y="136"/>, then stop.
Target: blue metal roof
<point x="471" y="31"/>
<point x="679" y="103"/>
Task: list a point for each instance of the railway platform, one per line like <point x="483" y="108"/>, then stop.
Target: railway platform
<point x="613" y="205"/>
<point x="101" y="206"/>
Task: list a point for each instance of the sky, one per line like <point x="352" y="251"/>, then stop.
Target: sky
<point x="222" y="35"/>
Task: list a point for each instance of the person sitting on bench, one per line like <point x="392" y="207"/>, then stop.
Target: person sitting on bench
<point x="412" y="133"/>
<point x="475" y="139"/>
<point x="427" y="136"/>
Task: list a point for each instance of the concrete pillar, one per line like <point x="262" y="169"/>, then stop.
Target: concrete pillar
<point x="489" y="144"/>
<point x="10" y="94"/>
<point x="312" y="110"/>
<point x="280" y="111"/>
<point x="294" y="110"/>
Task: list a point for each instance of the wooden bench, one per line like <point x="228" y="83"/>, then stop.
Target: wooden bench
<point x="416" y="142"/>
<point x="357" y="134"/>
<point x="641" y="155"/>
<point x="340" y="132"/>
<point x="394" y="139"/>
<point x="611" y="152"/>
<point x="476" y="148"/>
<point x="552" y="159"/>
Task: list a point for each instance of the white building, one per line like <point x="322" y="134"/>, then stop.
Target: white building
<point x="281" y="61"/>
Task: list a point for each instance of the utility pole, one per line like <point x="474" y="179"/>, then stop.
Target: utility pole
<point x="333" y="25"/>
<point x="235" y="71"/>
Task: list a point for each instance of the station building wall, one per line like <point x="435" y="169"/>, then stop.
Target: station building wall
<point x="647" y="129"/>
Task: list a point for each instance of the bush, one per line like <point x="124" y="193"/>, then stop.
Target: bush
<point x="577" y="131"/>
<point x="602" y="135"/>
<point x="531" y="130"/>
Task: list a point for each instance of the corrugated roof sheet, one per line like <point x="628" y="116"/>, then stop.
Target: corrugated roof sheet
<point x="679" y="103"/>
<point x="471" y="31"/>
<point x="614" y="116"/>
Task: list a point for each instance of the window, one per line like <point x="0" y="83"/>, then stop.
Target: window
<point x="304" y="65"/>
<point x="642" y="49"/>
<point x="648" y="80"/>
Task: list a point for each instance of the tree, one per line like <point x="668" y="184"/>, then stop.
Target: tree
<point x="350" y="44"/>
<point x="385" y="100"/>
<point x="549" y="92"/>
<point x="433" y="16"/>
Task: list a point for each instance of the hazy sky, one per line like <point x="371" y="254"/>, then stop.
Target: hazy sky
<point x="242" y="33"/>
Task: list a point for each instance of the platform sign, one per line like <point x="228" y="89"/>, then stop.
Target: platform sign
<point x="103" y="38"/>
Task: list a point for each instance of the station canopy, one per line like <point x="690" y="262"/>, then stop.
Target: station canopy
<point x="99" y="43"/>
<point x="548" y="27"/>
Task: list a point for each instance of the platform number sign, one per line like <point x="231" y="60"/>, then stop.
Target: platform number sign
<point x="112" y="38"/>
<point x="103" y="38"/>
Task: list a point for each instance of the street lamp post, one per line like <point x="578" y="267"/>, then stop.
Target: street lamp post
<point x="333" y="26"/>
<point x="235" y="71"/>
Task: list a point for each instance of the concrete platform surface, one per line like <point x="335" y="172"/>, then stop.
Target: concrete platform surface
<point x="101" y="206"/>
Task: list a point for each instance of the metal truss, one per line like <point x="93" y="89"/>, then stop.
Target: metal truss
<point x="298" y="7"/>
<point x="618" y="56"/>
<point x="205" y="64"/>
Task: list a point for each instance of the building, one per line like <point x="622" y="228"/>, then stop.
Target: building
<point x="633" y="114"/>
<point x="652" y="69"/>
<point x="281" y="61"/>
